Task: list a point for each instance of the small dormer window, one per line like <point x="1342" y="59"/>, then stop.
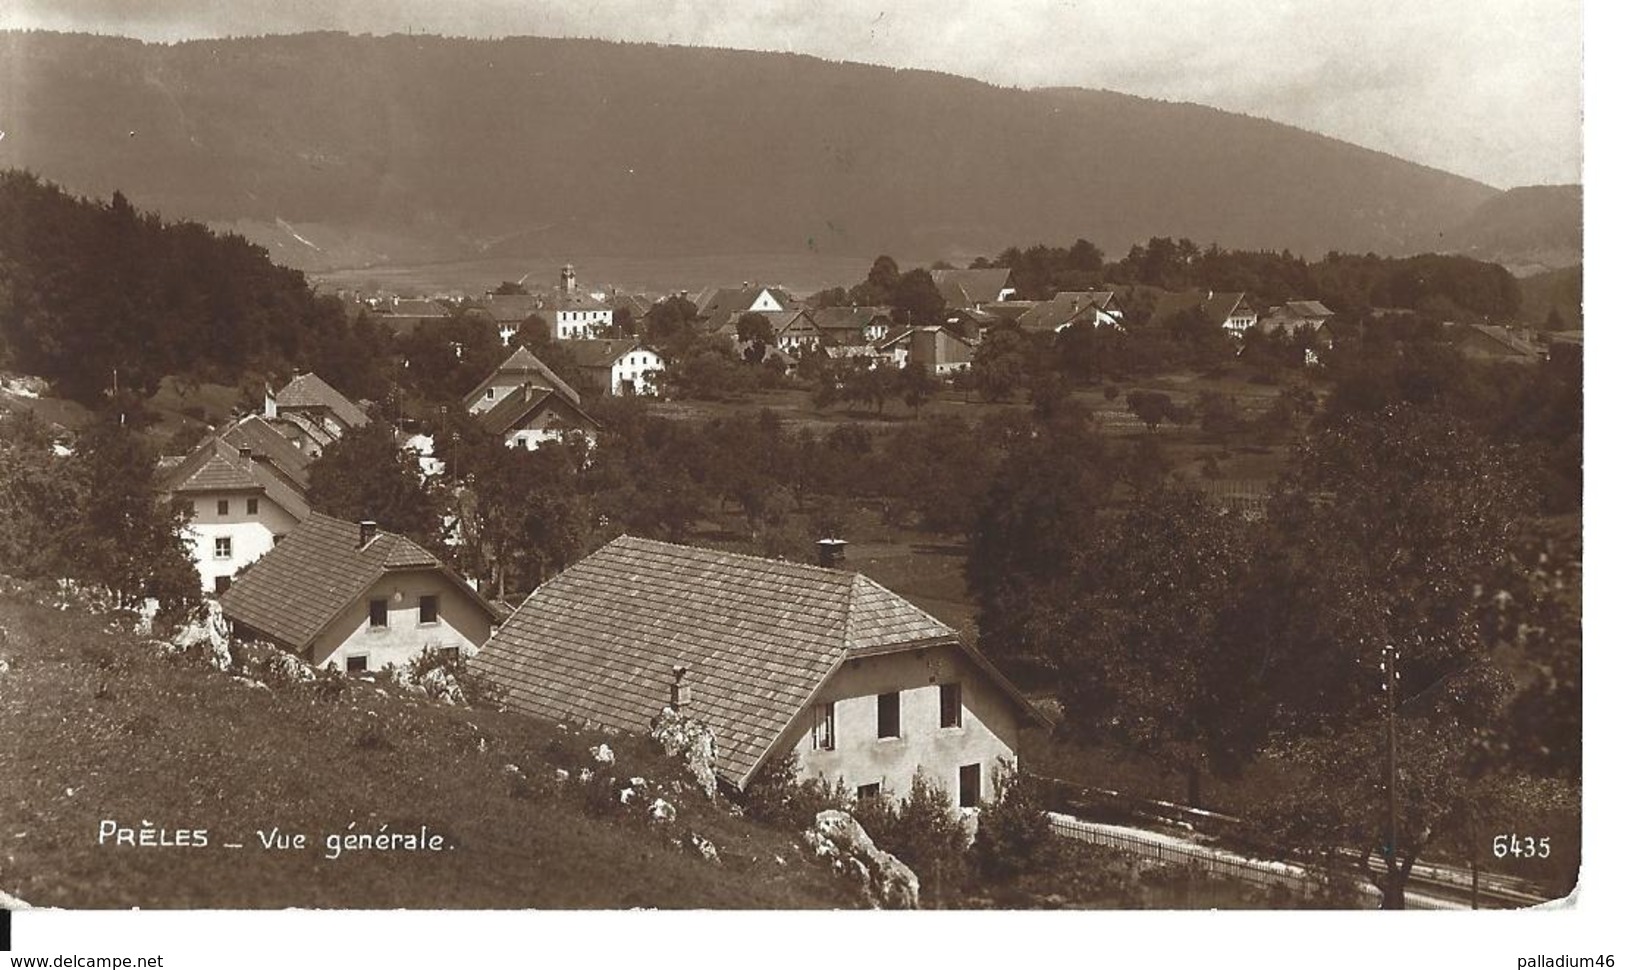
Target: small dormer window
<point x="490" y="394"/>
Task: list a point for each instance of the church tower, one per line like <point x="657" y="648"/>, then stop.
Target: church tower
<point x="567" y="279"/>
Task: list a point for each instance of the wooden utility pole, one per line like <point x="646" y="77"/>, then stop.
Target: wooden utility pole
<point x="1390" y="666"/>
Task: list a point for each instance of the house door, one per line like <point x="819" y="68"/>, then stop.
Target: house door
<point x="970" y="786"/>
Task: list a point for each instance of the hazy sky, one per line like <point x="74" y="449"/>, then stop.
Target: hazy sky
<point x="1485" y="88"/>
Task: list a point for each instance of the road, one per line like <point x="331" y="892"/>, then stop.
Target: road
<point x="1429" y="887"/>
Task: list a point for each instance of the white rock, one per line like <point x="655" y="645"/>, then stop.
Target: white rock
<point x="661" y="810"/>
<point x="603" y="755"/>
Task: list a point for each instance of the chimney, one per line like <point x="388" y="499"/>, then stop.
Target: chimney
<point x="681" y="694"/>
<point x="831" y="553"/>
<point x="369" y="532"/>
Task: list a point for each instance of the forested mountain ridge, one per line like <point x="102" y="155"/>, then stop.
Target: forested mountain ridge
<point x="97" y="296"/>
<point x="407" y="147"/>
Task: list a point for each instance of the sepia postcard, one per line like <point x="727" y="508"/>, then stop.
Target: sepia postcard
<point x="563" y="460"/>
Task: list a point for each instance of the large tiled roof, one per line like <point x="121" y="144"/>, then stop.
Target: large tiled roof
<point x="598" y="642"/>
<point x="294" y="591"/>
<point x="1063" y="308"/>
<point x="715" y="304"/>
<point x="970" y="287"/>
<point x="1216" y="307"/>
<point x="308" y="390"/>
<point x="572" y="301"/>
<point x="510" y="308"/>
<point x="216" y="465"/>
<point x="1307" y="308"/>
<point x="520" y="406"/>
<point x="846" y="324"/>
<point x="522" y="363"/>
<point x="419" y="308"/>
<point x="598" y="353"/>
<point x="256" y="434"/>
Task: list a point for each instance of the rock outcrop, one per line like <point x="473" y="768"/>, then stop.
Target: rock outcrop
<point x="207" y="638"/>
<point x="442" y="686"/>
<point x="681" y="736"/>
<point x="884" y="881"/>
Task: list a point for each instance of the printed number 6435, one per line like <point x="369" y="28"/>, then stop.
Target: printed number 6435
<point x="1521" y="846"/>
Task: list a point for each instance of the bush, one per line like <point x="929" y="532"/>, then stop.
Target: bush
<point x="478" y="690"/>
<point x="777" y="796"/>
<point x="1014" y="829"/>
<point x="927" y="833"/>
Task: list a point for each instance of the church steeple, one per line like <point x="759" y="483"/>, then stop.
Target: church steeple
<point x="567" y="279"/>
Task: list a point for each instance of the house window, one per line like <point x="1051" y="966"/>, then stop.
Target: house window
<point x="490" y="394"/>
<point x="869" y="792"/>
<point x="428" y="609"/>
<point x="223" y="507"/>
<point x="449" y="653"/>
<point x="824" y="727"/>
<point x="222" y="547"/>
<point x="970" y="786"/>
<point x="377" y="614"/>
<point x="221" y="584"/>
<point x="253" y="506"/>
<point x="951" y="707"/>
<point x="356" y="664"/>
<point x="889" y="726"/>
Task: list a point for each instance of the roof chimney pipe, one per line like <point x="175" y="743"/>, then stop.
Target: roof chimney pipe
<point x="681" y="694"/>
<point x="369" y="532"/>
<point x="831" y="553"/>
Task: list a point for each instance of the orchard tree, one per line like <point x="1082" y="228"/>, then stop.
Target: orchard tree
<point x="521" y="515"/>
<point x="1133" y="633"/>
<point x="1151" y="407"/>
<point x="755" y="334"/>
<point x="1378" y="544"/>
<point x="998" y="367"/>
<point x="917" y="385"/>
<point x="1036" y="516"/>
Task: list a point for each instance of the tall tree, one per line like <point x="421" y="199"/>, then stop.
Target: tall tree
<point x="1134" y="634"/>
<point x="1379" y="542"/>
<point x="367" y="475"/>
<point x="126" y="538"/>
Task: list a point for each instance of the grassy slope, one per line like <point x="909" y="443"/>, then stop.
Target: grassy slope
<point x="93" y="726"/>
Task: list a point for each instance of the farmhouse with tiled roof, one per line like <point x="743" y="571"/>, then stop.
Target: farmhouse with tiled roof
<point x="975" y="288"/>
<point x="525" y="402"/>
<point x="776" y="658"/>
<point x="616" y="367"/>
<point x="354" y="595"/>
<point x="1232" y="312"/>
<point x="246" y="489"/>
<point x="1094" y="308"/>
<point x="311" y="413"/>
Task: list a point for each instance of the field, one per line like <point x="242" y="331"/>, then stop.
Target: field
<point x="98" y="729"/>
<point x="801" y="273"/>
<point x="107" y="740"/>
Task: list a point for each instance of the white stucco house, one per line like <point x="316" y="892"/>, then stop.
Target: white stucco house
<point x="356" y="596"/>
<point x="778" y="659"/>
